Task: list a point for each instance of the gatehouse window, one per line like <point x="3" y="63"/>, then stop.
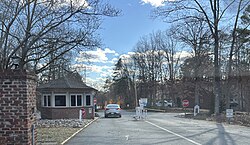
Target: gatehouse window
<point x="60" y="100"/>
<point x="46" y="100"/>
<point x="76" y="100"/>
<point x="88" y="100"/>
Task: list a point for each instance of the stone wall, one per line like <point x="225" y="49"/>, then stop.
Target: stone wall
<point x="17" y="107"/>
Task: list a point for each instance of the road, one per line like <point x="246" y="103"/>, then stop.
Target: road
<point x="160" y="129"/>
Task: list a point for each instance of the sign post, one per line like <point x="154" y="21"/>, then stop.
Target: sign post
<point x="95" y="104"/>
<point x="82" y="114"/>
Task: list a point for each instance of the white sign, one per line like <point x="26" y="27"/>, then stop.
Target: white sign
<point x="90" y="110"/>
<point x="229" y="113"/>
<point x="143" y="101"/>
<point x="196" y="109"/>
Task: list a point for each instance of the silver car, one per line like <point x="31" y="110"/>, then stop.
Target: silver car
<point x="112" y="110"/>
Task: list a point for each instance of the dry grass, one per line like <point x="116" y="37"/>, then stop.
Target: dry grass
<point x="54" y="132"/>
<point x="54" y="135"/>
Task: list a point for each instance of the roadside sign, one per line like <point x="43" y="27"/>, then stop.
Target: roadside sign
<point x="229" y="113"/>
<point x="143" y="101"/>
<point x="95" y="101"/>
<point x="185" y="103"/>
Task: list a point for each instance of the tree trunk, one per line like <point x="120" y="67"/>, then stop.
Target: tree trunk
<point x="217" y="85"/>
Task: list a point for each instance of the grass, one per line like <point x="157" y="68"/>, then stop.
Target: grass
<point x="54" y="134"/>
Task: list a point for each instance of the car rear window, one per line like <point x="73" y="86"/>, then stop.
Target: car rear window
<point x="113" y="106"/>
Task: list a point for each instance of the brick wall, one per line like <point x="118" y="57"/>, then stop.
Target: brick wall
<point x="65" y="113"/>
<point x="17" y="105"/>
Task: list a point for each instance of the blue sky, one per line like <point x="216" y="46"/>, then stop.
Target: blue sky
<point x="119" y="36"/>
<point x="122" y="33"/>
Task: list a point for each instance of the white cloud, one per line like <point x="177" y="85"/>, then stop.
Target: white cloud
<point x="92" y="68"/>
<point x="102" y="73"/>
<point x="95" y="83"/>
<point x="155" y="3"/>
<point x="100" y="69"/>
<point x="107" y="50"/>
<point x="127" y="56"/>
<point x="107" y="73"/>
<point x="183" y="55"/>
<point x="97" y="73"/>
<point x="98" y="55"/>
<point x="77" y="2"/>
<point x="114" y="60"/>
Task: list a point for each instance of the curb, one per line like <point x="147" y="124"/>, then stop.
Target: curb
<point x="155" y="110"/>
<point x="65" y="141"/>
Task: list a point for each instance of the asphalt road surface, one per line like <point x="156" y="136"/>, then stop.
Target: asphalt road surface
<point x="160" y="129"/>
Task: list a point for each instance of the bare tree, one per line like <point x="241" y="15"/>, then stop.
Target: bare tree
<point x="194" y="33"/>
<point x="168" y="45"/>
<point x="156" y="64"/>
<point x="41" y="31"/>
<point x="212" y="12"/>
<point x="147" y="62"/>
<point x="233" y="50"/>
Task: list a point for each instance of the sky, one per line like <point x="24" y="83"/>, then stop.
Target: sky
<point x="122" y="33"/>
<point x="119" y="36"/>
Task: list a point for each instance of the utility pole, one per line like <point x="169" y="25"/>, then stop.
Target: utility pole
<point x="136" y="99"/>
<point x="85" y="74"/>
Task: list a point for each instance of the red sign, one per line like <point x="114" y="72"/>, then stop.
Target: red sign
<point x="185" y="103"/>
<point x="83" y="112"/>
<point x="95" y="100"/>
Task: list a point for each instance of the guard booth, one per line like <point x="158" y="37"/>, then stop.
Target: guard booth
<point x="64" y="97"/>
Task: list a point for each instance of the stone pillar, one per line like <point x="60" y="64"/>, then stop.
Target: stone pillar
<point x="17" y="107"/>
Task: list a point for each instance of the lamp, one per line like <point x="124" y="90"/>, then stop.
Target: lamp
<point x="16" y="61"/>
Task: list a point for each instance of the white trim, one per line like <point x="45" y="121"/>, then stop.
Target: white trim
<point x="84" y="99"/>
<point x="68" y="99"/>
<point x="53" y="99"/>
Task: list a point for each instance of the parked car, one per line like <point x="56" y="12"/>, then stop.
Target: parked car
<point x="165" y="103"/>
<point x="112" y="110"/>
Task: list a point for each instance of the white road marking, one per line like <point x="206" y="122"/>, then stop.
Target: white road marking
<point x="174" y="133"/>
<point x="127" y="137"/>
